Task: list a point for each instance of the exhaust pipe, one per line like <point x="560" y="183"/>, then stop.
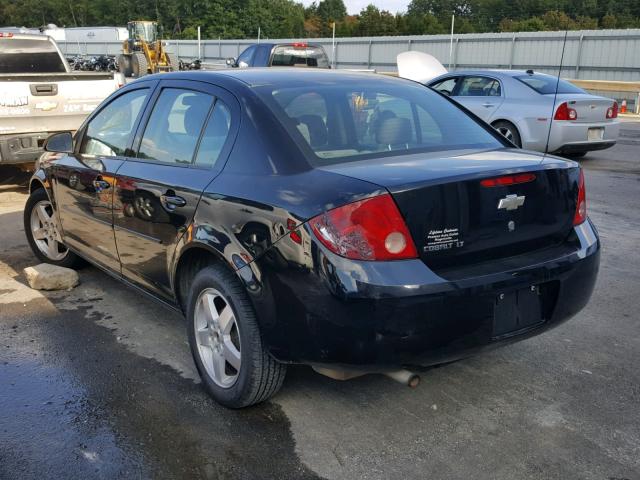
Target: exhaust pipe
<point x="404" y="377"/>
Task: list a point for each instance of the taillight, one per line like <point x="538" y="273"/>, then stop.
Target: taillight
<point x="565" y="113"/>
<point x="6" y="34"/>
<point x="581" y="206"/>
<point x="508" y="180"/>
<point x="612" y="112"/>
<point x="371" y="229"/>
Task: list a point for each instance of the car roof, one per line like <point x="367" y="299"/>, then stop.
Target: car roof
<point x="274" y="44"/>
<point x="491" y="72"/>
<point x="281" y="76"/>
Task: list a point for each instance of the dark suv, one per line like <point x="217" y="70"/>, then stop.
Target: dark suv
<point x="281" y="55"/>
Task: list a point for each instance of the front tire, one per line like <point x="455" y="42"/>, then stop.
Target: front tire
<point x="225" y="341"/>
<point x="139" y="64"/>
<point x="509" y="131"/>
<point x="43" y="232"/>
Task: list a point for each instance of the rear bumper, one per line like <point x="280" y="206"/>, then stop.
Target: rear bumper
<point x="25" y="148"/>
<point x="379" y="315"/>
<point x="570" y="137"/>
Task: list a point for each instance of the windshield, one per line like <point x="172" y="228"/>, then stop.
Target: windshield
<point x="353" y="120"/>
<point x="20" y="55"/>
<point x="299" y="56"/>
<point x="143" y="31"/>
<point x="546" y="84"/>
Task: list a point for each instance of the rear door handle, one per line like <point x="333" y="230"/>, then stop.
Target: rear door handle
<point x="172" y="201"/>
<point x="487" y="105"/>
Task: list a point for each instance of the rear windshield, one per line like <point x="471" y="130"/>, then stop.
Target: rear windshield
<point x="299" y="56"/>
<point x="546" y="84"/>
<point x="19" y="55"/>
<point x="351" y="121"/>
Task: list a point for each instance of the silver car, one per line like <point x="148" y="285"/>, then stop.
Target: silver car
<point x="519" y="104"/>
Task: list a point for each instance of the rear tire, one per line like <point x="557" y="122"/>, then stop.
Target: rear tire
<point x="139" y="64"/>
<point x="174" y="63"/>
<point x="42" y="230"/>
<point x="227" y="348"/>
<point x="509" y="131"/>
<point x="124" y="65"/>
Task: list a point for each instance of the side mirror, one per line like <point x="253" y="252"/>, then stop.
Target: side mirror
<point x="231" y="62"/>
<point x="59" y="143"/>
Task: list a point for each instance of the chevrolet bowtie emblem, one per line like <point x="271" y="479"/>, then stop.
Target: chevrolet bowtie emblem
<point x="511" y="202"/>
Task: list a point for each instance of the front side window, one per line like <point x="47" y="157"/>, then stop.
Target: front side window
<point x="479" y="87"/>
<point x="109" y="133"/>
<point x="174" y="127"/>
<point x="370" y="119"/>
<point x="244" y="60"/>
<point x="214" y="136"/>
<point x="446" y="86"/>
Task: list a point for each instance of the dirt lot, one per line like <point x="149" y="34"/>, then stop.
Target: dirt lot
<point x="98" y="382"/>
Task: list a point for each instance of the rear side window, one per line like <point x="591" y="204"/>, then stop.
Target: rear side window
<point x="174" y="127"/>
<point x="109" y="132"/>
<point x="479" y="87"/>
<point x="369" y="119"/>
<point x="299" y="56"/>
<point x="546" y="84"/>
<point x="214" y="136"/>
<point x="18" y="55"/>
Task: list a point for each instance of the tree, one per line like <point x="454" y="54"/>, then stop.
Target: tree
<point x="374" y="22"/>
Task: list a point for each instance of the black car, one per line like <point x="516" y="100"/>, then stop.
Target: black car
<point x="300" y="54"/>
<point x="352" y="222"/>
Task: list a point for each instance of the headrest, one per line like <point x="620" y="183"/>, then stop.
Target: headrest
<point x="316" y="127"/>
<point x="393" y="131"/>
<point x="194" y="117"/>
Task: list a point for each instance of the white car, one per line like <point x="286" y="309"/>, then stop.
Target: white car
<point x="520" y="105"/>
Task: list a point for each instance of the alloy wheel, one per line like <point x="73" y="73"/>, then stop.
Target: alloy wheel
<point x="506" y="132"/>
<point x="217" y="337"/>
<point x="45" y="231"/>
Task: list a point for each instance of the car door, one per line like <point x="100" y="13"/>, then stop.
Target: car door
<point x="180" y="146"/>
<point x="482" y="95"/>
<point x="83" y="181"/>
<point x="262" y="55"/>
<point x="245" y="59"/>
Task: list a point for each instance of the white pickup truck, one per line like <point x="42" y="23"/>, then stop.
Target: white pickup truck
<point x="41" y="95"/>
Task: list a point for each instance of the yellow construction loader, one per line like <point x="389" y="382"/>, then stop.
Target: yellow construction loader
<point x="143" y="51"/>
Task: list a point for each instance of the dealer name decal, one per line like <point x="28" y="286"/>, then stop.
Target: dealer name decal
<point x="443" y="239"/>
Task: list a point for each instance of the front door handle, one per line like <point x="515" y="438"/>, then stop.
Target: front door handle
<point x="172" y="201"/>
<point x="488" y="105"/>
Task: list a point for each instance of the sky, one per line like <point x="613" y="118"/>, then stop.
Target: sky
<point x="355" y="6"/>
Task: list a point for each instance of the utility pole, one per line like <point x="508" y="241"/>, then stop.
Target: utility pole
<point x="333" y="47"/>
<point x="453" y="20"/>
<point x="258" y="33"/>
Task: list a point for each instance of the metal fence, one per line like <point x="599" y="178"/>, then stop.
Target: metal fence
<point x="588" y="54"/>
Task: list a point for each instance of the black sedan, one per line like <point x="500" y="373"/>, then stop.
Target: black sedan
<point x="351" y="222"/>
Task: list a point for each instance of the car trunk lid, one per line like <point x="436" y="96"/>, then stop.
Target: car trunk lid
<point x="590" y="109"/>
<point x="455" y="220"/>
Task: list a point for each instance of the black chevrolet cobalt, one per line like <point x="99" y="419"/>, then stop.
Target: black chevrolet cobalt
<point x="352" y="222"/>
